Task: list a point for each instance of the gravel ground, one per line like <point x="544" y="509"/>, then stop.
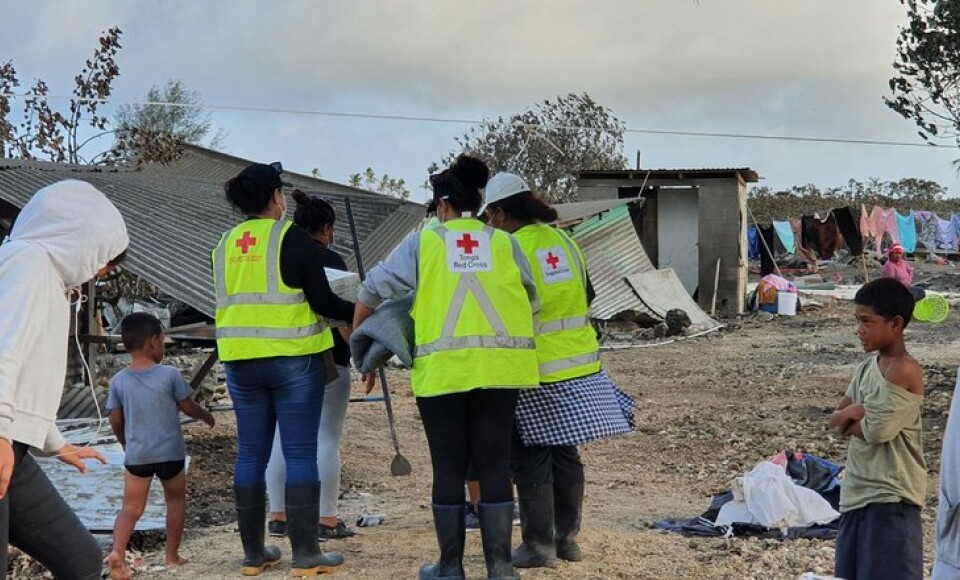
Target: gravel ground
<point x="708" y="409"/>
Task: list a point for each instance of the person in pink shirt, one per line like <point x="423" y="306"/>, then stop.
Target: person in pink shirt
<point x="899" y="269"/>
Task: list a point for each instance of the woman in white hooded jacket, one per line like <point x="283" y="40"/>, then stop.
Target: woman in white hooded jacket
<point x="67" y="234"/>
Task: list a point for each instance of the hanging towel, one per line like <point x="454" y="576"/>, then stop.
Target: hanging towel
<point x="907" y="227"/>
<point x="946" y="234"/>
<point x="785" y="233"/>
<point x="955" y="220"/>
<point x="753" y="243"/>
<point x="848" y="229"/>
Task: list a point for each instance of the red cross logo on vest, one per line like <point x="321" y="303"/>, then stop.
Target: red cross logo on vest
<point x="467" y="243"/>
<point x="552" y="260"/>
<point x="245" y="241"/>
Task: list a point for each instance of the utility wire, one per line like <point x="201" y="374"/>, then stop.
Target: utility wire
<point x="458" y="121"/>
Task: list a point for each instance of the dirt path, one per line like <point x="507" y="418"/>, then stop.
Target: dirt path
<point x="709" y="409"/>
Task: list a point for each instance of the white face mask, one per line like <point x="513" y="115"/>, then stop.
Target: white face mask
<point x="282" y="203"/>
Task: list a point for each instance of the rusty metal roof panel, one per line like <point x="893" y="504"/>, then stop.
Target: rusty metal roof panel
<point x="748" y="175"/>
<point x="613" y="252"/>
<point x="174" y="222"/>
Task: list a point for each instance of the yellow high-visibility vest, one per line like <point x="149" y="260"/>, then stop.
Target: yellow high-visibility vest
<point x="258" y="316"/>
<point x="566" y="341"/>
<point x="473" y="321"/>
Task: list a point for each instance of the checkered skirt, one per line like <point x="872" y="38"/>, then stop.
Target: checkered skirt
<point x="574" y="412"/>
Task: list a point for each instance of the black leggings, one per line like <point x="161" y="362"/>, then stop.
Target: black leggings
<point x="34" y="518"/>
<point x="473" y="427"/>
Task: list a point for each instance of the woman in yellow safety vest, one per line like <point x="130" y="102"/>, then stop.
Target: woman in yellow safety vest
<point x="577" y="402"/>
<point x="474" y="351"/>
<point x="270" y="338"/>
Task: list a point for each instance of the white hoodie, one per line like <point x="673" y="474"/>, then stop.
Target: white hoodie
<point x="64" y="234"/>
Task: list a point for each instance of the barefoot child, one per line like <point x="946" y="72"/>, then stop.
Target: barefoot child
<point x="884" y="486"/>
<point x="145" y="401"/>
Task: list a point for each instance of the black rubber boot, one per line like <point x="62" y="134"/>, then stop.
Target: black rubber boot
<point x="451" y="531"/>
<point x="568" y="510"/>
<point x="251" y="505"/>
<point x="536" y="550"/>
<point x="496" y="528"/>
<point x="303" y="513"/>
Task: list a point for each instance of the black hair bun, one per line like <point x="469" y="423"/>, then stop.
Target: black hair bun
<point x="471" y="171"/>
<point x="299" y="197"/>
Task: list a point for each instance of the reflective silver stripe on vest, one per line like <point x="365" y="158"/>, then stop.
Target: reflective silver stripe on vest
<point x="466" y="285"/>
<point x="563" y="364"/>
<point x="461" y="342"/>
<point x="563" y="324"/>
<point x="273" y="294"/>
<point x="259" y="332"/>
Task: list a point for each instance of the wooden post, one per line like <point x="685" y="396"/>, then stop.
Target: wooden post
<point x="863" y="263"/>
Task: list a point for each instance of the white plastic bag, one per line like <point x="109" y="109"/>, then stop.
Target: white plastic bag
<point x="776" y="502"/>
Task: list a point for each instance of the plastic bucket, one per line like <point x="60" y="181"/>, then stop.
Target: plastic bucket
<point x="786" y="304"/>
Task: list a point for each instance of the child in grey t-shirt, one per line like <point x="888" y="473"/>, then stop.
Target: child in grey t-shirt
<point x="145" y="401"/>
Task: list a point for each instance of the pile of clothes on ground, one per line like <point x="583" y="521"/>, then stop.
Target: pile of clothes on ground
<point x="790" y="495"/>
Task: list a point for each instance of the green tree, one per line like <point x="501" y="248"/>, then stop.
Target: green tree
<point x="384" y="184"/>
<point x="47" y="132"/>
<point x="156" y="133"/>
<point x="926" y="88"/>
<point x="548" y="143"/>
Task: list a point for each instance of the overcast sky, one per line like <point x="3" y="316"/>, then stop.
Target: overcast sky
<point x="816" y="68"/>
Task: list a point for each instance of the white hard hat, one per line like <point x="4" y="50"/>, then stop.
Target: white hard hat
<point x="504" y="185"/>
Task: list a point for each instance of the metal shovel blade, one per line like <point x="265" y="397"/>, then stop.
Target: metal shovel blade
<point x="400" y="466"/>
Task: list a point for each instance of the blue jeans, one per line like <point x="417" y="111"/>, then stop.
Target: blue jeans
<point x="271" y="392"/>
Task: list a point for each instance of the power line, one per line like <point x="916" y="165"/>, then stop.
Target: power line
<point x="457" y="121"/>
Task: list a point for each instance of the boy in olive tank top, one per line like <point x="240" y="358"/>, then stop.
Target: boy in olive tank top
<point x="884" y="484"/>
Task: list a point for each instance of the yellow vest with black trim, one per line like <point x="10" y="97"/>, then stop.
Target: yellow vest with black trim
<point x="258" y="316"/>
<point x="473" y="321"/>
<point x="566" y="341"/>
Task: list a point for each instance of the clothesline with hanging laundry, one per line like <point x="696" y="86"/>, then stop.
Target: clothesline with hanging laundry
<point x="813" y="237"/>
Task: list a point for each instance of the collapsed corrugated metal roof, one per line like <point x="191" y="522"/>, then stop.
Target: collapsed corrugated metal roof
<point x="569" y="213"/>
<point x="613" y="251"/>
<point x="175" y="221"/>
<point x="622" y="275"/>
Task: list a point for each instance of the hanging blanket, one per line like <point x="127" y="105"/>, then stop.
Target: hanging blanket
<point x="927" y="235"/>
<point x="946" y="234"/>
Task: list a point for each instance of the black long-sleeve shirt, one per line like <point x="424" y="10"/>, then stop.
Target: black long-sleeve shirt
<point x="302" y="261"/>
<point x="329" y="259"/>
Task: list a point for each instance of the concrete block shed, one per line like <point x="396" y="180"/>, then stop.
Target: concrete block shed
<point x="691" y="220"/>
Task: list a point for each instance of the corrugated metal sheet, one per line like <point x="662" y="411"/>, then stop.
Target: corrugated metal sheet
<point x="662" y="291"/>
<point x="383" y="239"/>
<point x="574" y="212"/>
<point x="613" y="251"/>
<point x="174" y="222"/>
<point x="97" y="496"/>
